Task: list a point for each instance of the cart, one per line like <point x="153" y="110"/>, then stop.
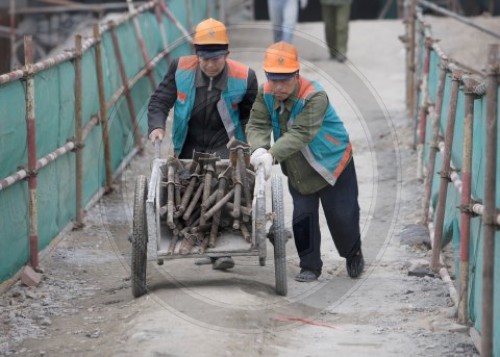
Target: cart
<point x="161" y="202"/>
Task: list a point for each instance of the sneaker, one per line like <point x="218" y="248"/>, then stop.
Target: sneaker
<point x="355" y="264"/>
<point x="306" y="276"/>
<point x="223" y="263"/>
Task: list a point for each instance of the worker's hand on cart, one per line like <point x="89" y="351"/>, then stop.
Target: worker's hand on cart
<point x="262" y="157"/>
<point x="157" y="134"/>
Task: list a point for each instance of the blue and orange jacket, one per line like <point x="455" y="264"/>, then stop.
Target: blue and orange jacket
<point x="330" y="150"/>
<point x="227" y="105"/>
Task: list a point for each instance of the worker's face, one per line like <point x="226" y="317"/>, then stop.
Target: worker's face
<point x="283" y="88"/>
<point x="213" y="66"/>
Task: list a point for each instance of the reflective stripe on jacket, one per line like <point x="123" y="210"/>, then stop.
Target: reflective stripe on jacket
<point x="330" y="150"/>
<point x="227" y="105"/>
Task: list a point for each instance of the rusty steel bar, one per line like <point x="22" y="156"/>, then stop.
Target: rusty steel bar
<point x="176" y="22"/>
<point x="78" y="133"/>
<point x="192" y="204"/>
<point x="465" y="205"/>
<point x="433" y="147"/>
<point x="445" y="171"/>
<point x="216" y="220"/>
<point x="31" y="124"/>
<point x="128" y="96"/>
<point x="423" y="109"/>
<point x="489" y="224"/>
<point x="209" y="172"/>
<point x="451" y="14"/>
<point x="219" y="204"/>
<point x="142" y="45"/>
<point x="237" y="194"/>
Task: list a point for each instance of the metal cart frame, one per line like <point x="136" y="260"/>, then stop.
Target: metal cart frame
<point x="151" y="237"/>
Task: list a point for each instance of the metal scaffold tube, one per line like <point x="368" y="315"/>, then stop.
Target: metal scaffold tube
<point x="103" y="112"/>
<point x="31" y="135"/>
<point x="489" y="217"/>
<point x="78" y="132"/>
<point x="433" y="148"/>
<point x="465" y="214"/>
<point x="445" y="171"/>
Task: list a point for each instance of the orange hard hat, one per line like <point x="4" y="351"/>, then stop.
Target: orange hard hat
<point x="210" y="32"/>
<point x="281" y="57"/>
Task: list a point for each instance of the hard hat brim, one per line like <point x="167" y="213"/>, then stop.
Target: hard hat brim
<point x="273" y="76"/>
<point x="211" y="54"/>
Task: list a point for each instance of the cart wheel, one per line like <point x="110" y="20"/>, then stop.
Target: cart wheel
<point x="279" y="236"/>
<point x="262" y="261"/>
<point x="139" y="238"/>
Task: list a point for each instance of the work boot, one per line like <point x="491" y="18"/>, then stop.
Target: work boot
<point x="355" y="264"/>
<point x="306" y="276"/>
<point x="204" y="261"/>
<point x="223" y="263"/>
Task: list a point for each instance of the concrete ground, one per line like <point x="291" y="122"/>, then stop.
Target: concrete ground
<point x="84" y="305"/>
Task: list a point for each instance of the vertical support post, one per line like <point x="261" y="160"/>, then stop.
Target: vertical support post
<point x="465" y="203"/>
<point x="209" y="8"/>
<point x="423" y="109"/>
<point x="103" y="114"/>
<point x="489" y="216"/>
<point x="12" y="34"/>
<point x="411" y="61"/>
<point x="445" y="171"/>
<point x="433" y="147"/>
<point x="126" y="86"/>
<point x="142" y="44"/>
<point x="78" y="132"/>
<point x="31" y="138"/>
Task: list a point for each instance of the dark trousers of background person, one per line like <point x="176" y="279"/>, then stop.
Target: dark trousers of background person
<point x="341" y="210"/>
<point x="336" y="19"/>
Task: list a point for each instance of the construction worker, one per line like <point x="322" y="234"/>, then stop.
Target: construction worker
<point x="313" y="148"/>
<point x="212" y="95"/>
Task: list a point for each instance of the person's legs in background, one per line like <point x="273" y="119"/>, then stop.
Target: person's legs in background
<point x="329" y="18"/>
<point x="275" y="8"/>
<point x="290" y="17"/>
<point x="343" y="13"/>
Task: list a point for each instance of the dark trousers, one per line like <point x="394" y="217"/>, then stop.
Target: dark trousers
<point x="341" y="210"/>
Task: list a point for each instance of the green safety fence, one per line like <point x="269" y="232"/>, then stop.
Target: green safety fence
<point x="55" y="123"/>
<point x="451" y="229"/>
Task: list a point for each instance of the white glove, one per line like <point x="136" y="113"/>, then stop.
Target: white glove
<point x="303" y="4"/>
<point x="264" y="159"/>
<point x="256" y="154"/>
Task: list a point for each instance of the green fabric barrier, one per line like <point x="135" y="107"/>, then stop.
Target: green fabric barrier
<point x="55" y="125"/>
<point x="451" y="227"/>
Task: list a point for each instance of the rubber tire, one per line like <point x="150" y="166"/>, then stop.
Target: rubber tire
<point x="279" y="236"/>
<point x="139" y="238"/>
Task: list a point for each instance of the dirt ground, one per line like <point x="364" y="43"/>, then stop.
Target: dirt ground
<point x="84" y="305"/>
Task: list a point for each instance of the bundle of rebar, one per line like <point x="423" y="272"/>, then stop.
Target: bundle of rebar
<point x="204" y="197"/>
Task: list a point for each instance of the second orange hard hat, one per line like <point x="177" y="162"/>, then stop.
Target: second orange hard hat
<point x="281" y="57"/>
